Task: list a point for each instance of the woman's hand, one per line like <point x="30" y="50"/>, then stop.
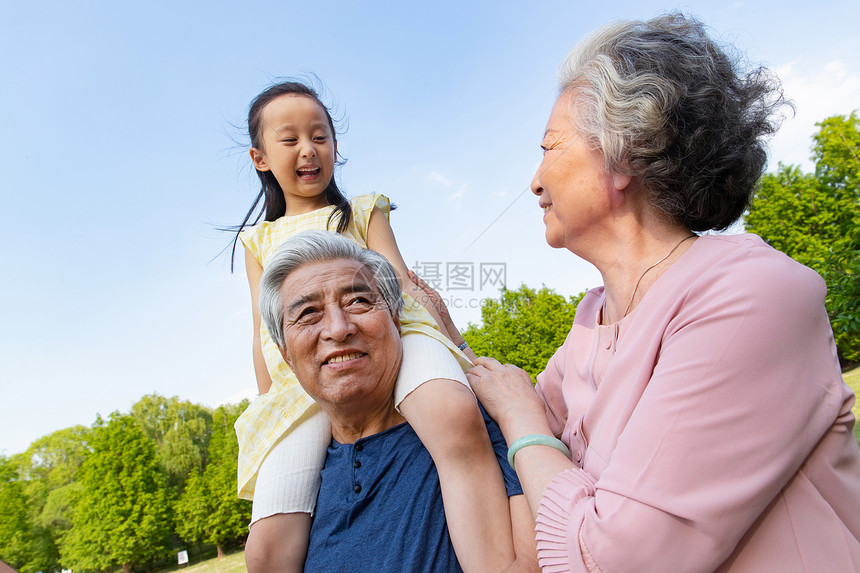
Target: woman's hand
<point x="508" y="395"/>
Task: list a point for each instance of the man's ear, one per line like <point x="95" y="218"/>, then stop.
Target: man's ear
<point x="260" y="163"/>
<point x="286" y="356"/>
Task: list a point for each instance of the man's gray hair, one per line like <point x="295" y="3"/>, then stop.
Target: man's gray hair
<point x="314" y="247"/>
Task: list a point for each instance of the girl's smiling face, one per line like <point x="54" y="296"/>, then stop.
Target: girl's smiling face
<point x="298" y="146"/>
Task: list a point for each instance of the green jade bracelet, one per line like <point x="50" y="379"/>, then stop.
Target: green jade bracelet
<point x="536" y="440"/>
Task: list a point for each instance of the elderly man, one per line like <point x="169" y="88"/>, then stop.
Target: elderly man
<point x="332" y="308"/>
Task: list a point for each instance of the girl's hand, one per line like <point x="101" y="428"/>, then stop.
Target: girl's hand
<point x="380" y="238"/>
<point x="508" y="395"/>
<point x="434" y="299"/>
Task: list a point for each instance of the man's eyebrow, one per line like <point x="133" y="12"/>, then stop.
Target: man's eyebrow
<point x="352" y="288"/>
<point x="301" y="301"/>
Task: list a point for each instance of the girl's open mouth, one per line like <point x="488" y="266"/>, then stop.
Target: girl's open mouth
<point x="308" y="172"/>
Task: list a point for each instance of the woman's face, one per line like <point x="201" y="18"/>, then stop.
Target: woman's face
<point x="571" y="182"/>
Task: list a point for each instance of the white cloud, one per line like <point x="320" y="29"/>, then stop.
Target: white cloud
<point x="458" y="196"/>
<point x="439" y="178"/>
<point x="817" y="94"/>
<point x="249" y="392"/>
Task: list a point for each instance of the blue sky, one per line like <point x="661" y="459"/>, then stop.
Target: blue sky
<point x="123" y="151"/>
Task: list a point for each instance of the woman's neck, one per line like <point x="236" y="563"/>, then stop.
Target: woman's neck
<point x="635" y="263"/>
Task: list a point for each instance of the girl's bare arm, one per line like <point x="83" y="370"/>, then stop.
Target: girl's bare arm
<point x="255" y="271"/>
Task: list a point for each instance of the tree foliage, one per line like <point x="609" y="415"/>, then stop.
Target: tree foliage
<point x="209" y="510"/>
<point x="94" y="499"/>
<point x="180" y="431"/>
<point x="46" y="477"/>
<point x="122" y="517"/>
<point x="815" y="219"/>
<point x="16" y="535"/>
<point x="523" y="327"/>
<point x="56" y="458"/>
<point x="193" y="510"/>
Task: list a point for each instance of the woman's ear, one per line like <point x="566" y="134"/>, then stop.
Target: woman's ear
<point x="260" y="163"/>
<point x="620" y="182"/>
<point x="620" y="188"/>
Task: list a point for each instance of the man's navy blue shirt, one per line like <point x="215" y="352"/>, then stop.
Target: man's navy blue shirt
<point x="380" y="506"/>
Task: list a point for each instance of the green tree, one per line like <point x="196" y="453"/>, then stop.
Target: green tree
<point x="56" y="515"/>
<point x="209" y="510"/>
<point x="523" y="327"/>
<point x="180" y="431"/>
<point x="815" y="219"/>
<point x="842" y="273"/>
<point x="16" y="531"/>
<point x="122" y="517"/>
<point x="48" y="470"/>
<point x="193" y="510"/>
<point x="57" y="457"/>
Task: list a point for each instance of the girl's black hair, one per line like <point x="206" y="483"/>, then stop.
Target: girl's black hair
<point x="272" y="196"/>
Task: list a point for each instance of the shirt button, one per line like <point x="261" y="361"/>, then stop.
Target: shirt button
<point x="357" y="464"/>
<point x="579" y="456"/>
<point x="357" y="488"/>
<point x="359" y="447"/>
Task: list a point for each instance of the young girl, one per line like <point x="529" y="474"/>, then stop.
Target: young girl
<point x="283" y="435"/>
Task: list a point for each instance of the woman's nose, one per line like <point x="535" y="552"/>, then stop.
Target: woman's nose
<point x="536" y="187"/>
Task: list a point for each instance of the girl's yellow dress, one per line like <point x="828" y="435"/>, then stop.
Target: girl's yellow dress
<point x="270" y="416"/>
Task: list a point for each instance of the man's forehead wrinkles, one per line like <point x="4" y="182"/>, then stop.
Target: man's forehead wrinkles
<point x="357" y="286"/>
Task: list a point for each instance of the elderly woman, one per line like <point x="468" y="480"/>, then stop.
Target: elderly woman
<point x="703" y="421"/>
<point x="332" y="309"/>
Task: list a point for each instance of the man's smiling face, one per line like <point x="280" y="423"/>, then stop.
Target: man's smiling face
<point x="341" y="339"/>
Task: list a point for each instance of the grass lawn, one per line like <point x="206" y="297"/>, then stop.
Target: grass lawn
<point x="232" y="563"/>
<point x="852" y="378"/>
